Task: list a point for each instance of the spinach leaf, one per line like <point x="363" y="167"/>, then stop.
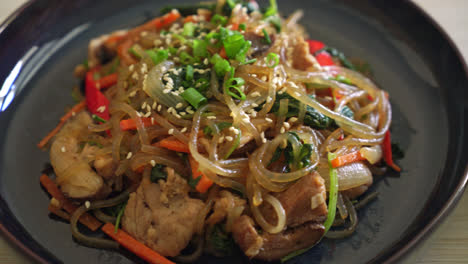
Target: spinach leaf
<point x="221" y="241"/>
<point x="158" y="173"/>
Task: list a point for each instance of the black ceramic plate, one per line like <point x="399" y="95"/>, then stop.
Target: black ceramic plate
<point x="410" y="57"/>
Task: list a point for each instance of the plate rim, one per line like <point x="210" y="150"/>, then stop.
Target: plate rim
<point x="445" y="210"/>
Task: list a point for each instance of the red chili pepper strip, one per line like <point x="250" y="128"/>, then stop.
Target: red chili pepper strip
<point x="96" y="101"/>
<point x="324" y="59"/>
<point x="107" y="81"/>
<point x="387" y="152"/>
<point x="315" y="45"/>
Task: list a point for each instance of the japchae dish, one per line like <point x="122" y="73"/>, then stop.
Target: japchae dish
<point x="216" y="126"/>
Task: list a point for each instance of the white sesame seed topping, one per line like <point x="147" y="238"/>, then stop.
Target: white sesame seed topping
<point x="175" y="93"/>
<point x="282" y="130"/>
<point x="269" y="120"/>
<point x="211" y="117"/>
<point x="254" y="75"/>
<point x="166" y="91"/>
<point x="254" y="105"/>
<point x="221" y="140"/>
<point x="147" y="114"/>
<point x="154" y="105"/>
<point x="139" y="114"/>
<point x="152" y="120"/>
<point x="132" y="94"/>
<point x="182" y="113"/>
<point x="131" y="67"/>
<point x="190" y="111"/>
<point x="297" y="93"/>
<point x="293" y="119"/>
<point x="256" y="94"/>
<point x="179" y="105"/>
<point x="143" y="105"/>
<point x="101" y="109"/>
<point x="159" y="108"/>
<point x="87" y="204"/>
<point x="183" y="130"/>
<point x="135" y="76"/>
<point x="287" y="125"/>
<point x="269" y="99"/>
<point x="63" y="149"/>
<point x="236" y="131"/>
<point x="129" y="155"/>
<point x="205" y="61"/>
<point x="264" y="78"/>
<point x="246" y="119"/>
<point x="153" y="163"/>
<point x="148" y="108"/>
<point x="170" y="131"/>
<point x="229" y="138"/>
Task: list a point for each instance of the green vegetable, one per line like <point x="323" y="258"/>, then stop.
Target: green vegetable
<point x="222" y="67"/>
<point x="339" y="55"/>
<point x="342" y="79"/>
<point x="172" y="50"/>
<point x="185" y="58"/>
<point x="232" y="87"/>
<point x="98" y="119"/>
<point x="193" y="182"/>
<point x="346" y="111"/>
<point x="230" y="4"/>
<point x="114" y="66"/>
<point x="220" y="126"/>
<point x="248" y="62"/>
<point x="189" y="29"/>
<point x="186" y="10"/>
<point x="199" y="48"/>
<point x="189" y="73"/>
<point x="296" y="159"/>
<point x="333" y="194"/>
<point x="119" y="217"/>
<point x="221" y="241"/>
<point x="234" y="43"/>
<point x="134" y="52"/>
<point x="234" y="145"/>
<point x="272" y="59"/>
<point x="158" y="56"/>
<point x="312" y="118"/>
<point x="242" y="26"/>
<point x="194" y="98"/>
<point x="272" y="10"/>
<point x="94" y="143"/>
<point x="266" y="37"/>
<point x="158" y="173"/>
<point x="219" y="20"/>
<point x="276" y="22"/>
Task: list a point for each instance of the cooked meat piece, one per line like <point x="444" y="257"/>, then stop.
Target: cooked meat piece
<point x="303" y="60"/>
<point x="75" y="176"/>
<point x="104" y="166"/>
<point x="162" y="215"/>
<point x="223" y="204"/>
<point x="274" y="246"/>
<point x="297" y="201"/>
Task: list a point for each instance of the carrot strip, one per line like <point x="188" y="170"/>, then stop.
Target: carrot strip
<point x="134" y="246"/>
<point x="107" y="81"/>
<point x="75" y="109"/>
<point x="130" y="124"/>
<point x="172" y="143"/>
<point x="346" y="159"/>
<point x="222" y="53"/>
<point x="204" y="183"/>
<point x="86" y="219"/>
<point x="51" y="134"/>
<point x="122" y="50"/>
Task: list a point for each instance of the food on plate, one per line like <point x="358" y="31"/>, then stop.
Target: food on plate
<point x="215" y="127"/>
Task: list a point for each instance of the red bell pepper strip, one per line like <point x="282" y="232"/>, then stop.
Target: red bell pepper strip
<point x="107" y="81"/>
<point x="324" y="59"/>
<point x="387" y="152"/>
<point x="96" y="101"/>
<point x="315" y="45"/>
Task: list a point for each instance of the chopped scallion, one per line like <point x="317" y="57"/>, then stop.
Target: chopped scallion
<point x="266" y="37"/>
<point x="333" y="194"/>
<point x="185" y="58"/>
<point x="219" y="20"/>
<point x="199" y="48"/>
<point x="98" y="118"/>
<point x="272" y="59"/>
<point x="233" y="88"/>
<point x="249" y="62"/>
<point x="158" y="56"/>
<point x="189" y="29"/>
<point x="221" y="67"/>
<point x="194" y="98"/>
<point x="189" y="73"/>
<point x="242" y="27"/>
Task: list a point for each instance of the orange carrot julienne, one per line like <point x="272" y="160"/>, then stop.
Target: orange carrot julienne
<point x="172" y="143"/>
<point x="52" y="188"/>
<point x="204" y="183"/>
<point x="51" y="134"/>
<point x="346" y="159"/>
<point x="222" y="53"/>
<point x="134" y="246"/>
<point x="107" y="81"/>
<point x="75" y="109"/>
<point x="130" y="124"/>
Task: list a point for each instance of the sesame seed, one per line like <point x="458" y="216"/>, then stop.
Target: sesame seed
<point x="179" y="105"/>
<point x="229" y="138"/>
<point x="175" y="93"/>
<point x="73" y="114"/>
<point x="253" y="114"/>
<point x="129" y="155"/>
<point x="282" y="130"/>
<point x="254" y="75"/>
<point x="246" y="119"/>
<point x="236" y="131"/>
<point x="87" y="204"/>
<point x="131" y="67"/>
<point x="135" y="76"/>
<point x="143" y="105"/>
<point x="63" y="149"/>
<point x="262" y="135"/>
<point x="178" y="116"/>
<point x="170" y="131"/>
<point x="280" y="92"/>
<point x="170" y="109"/>
<point x="269" y="120"/>
<point x="153" y="163"/>
<point x="264" y="78"/>
<point x="159" y="108"/>
<point x="147" y="114"/>
<point x="152" y="120"/>
<point x="211" y="117"/>
<point x="139" y="114"/>
<point x="154" y="105"/>
<point x="157" y="42"/>
<point x="221" y="140"/>
<point x="182" y="113"/>
<point x="166" y="91"/>
<point x="256" y="94"/>
<point x="183" y="130"/>
<point x="297" y="94"/>
<point x="132" y="94"/>
<point x="190" y="111"/>
<point x="101" y="109"/>
<point x="287" y="125"/>
<point x="254" y="105"/>
<point x="293" y="119"/>
<point x="269" y="99"/>
<point x="205" y="61"/>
